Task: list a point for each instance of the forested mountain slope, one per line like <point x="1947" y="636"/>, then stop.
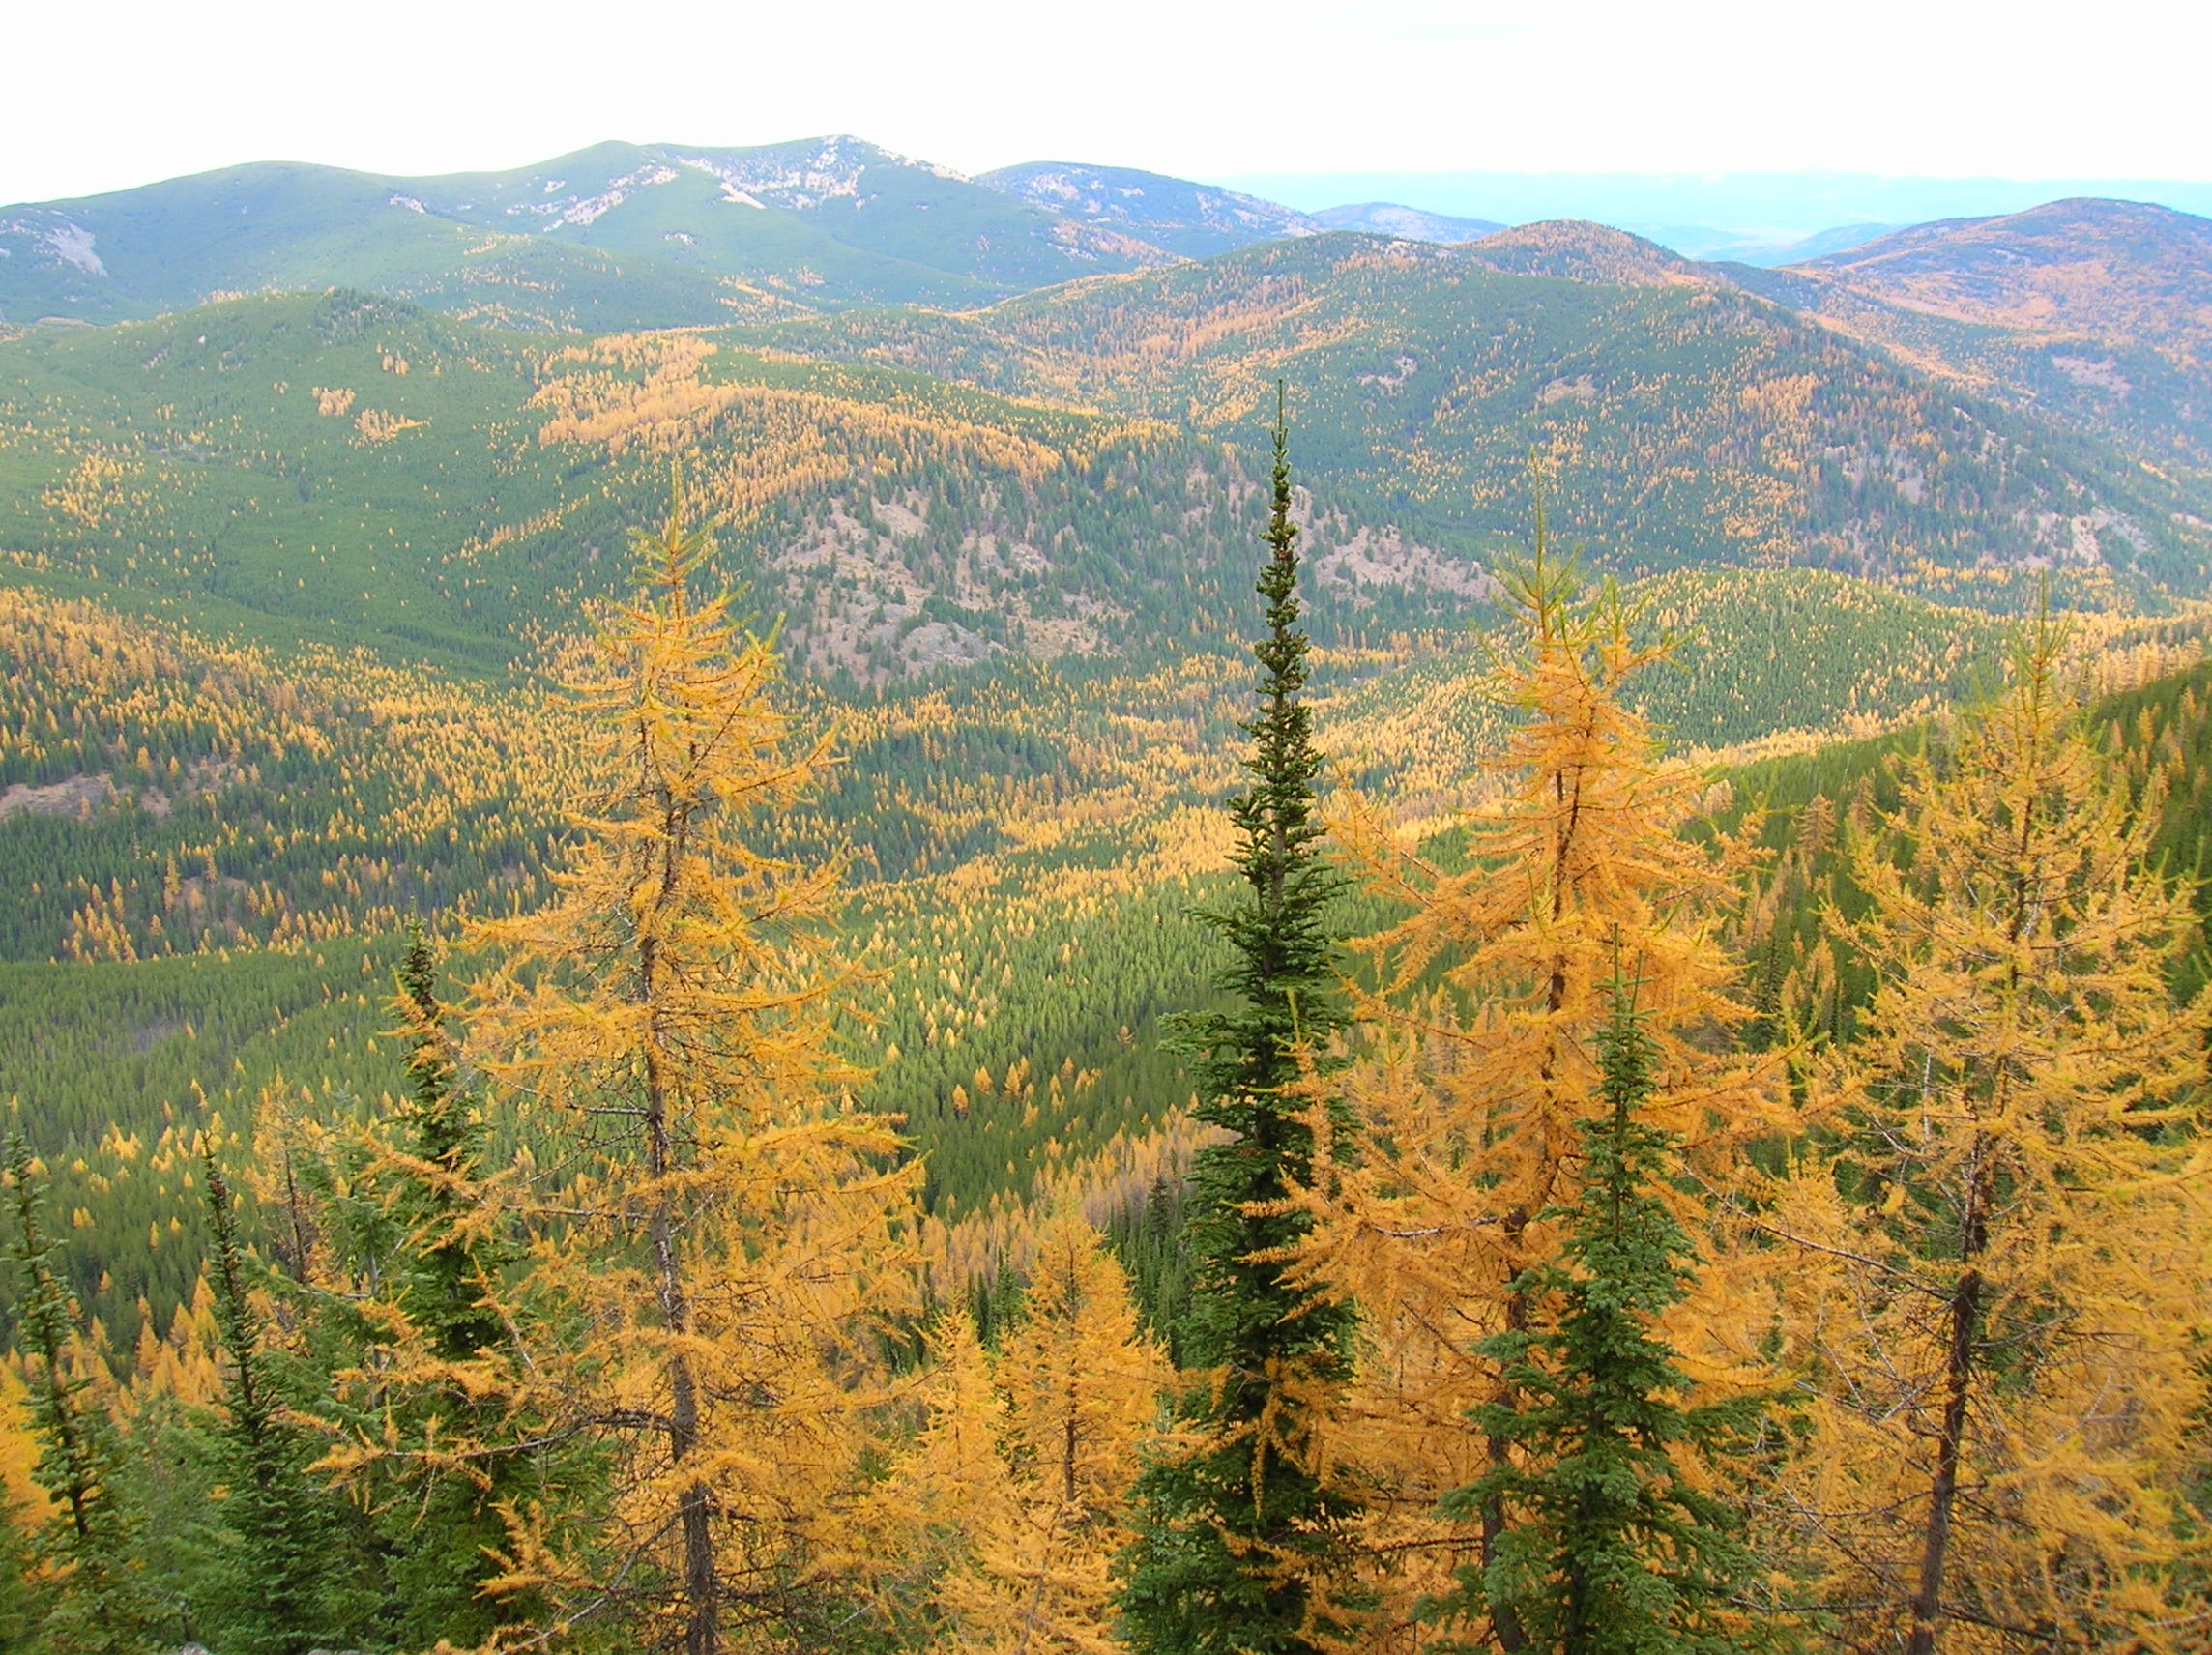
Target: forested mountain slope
<point x="353" y="470"/>
<point x="1687" y="423"/>
<point x="2092" y="312"/>
<point x="617" y="235"/>
<point x="287" y="578"/>
<point x="2123" y="271"/>
<point x="213" y="848"/>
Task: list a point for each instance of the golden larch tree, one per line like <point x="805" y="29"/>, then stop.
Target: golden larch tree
<point x="1015" y="1490"/>
<point x="721" y="1222"/>
<point x="2004" y="1273"/>
<point x="1476" y="1071"/>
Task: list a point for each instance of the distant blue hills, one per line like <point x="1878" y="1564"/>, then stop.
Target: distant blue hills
<point x="1753" y="217"/>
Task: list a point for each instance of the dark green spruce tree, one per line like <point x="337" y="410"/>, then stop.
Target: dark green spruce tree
<point x="91" y="1594"/>
<point x="448" y="1273"/>
<point x="1608" y="1550"/>
<point x="1232" y="1536"/>
<point x="281" y="1579"/>
<point x="442" y="1519"/>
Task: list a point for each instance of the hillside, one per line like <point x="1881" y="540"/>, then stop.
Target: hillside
<point x="1761" y="661"/>
<point x="212" y="847"/>
<point x="2124" y="273"/>
<point x="1687" y="422"/>
<point x="2156" y="732"/>
<point x="615" y="236"/>
<point x="1410" y="223"/>
<point x="172" y="245"/>
<point x="356" y="471"/>
<point x="1192" y="219"/>
<point x="2092" y="312"/>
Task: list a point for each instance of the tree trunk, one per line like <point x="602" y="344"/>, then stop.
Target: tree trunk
<point x="702" y="1631"/>
<point x="702" y="1635"/>
<point x="1504" y="1623"/>
<point x="1943" y="1495"/>
<point x="1958" y="1387"/>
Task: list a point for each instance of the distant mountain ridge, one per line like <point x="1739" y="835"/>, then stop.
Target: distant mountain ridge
<point x="1999" y="392"/>
<point x="2094" y="312"/>
<point x="1410" y="223"/>
<point x="2126" y="272"/>
<point x="703" y="233"/>
<point x="638" y="234"/>
<point x="1193" y="219"/>
<point x="1689" y="419"/>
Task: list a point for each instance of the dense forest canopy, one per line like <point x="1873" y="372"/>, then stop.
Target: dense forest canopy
<point x="807" y="972"/>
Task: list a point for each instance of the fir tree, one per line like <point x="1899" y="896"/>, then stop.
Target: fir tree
<point x="448" y="1276"/>
<point x="436" y="1405"/>
<point x="1608" y="1547"/>
<point x="1234" y="1533"/>
<point x="277" y="1587"/>
<point x="96" y="1600"/>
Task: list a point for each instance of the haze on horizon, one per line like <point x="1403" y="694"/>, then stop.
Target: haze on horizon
<point x="1906" y="88"/>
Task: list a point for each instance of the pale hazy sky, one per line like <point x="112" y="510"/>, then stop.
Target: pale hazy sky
<point x="100" y="96"/>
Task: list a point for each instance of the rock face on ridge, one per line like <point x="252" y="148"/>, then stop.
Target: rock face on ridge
<point x="1196" y="220"/>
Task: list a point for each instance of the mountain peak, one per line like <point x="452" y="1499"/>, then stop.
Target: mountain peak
<point x="1580" y="250"/>
<point x="2123" y="271"/>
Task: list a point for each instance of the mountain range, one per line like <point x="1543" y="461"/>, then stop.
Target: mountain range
<point x="875" y="343"/>
<point x="637" y="235"/>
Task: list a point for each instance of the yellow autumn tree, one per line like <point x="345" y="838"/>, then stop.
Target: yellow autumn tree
<point x="1012" y="1498"/>
<point x="1477" y="1068"/>
<point x="1083" y="1382"/>
<point x="718" y="1221"/>
<point x="927" y="1524"/>
<point x="2003" y="1266"/>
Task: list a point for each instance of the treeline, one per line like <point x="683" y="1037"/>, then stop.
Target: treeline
<point x="1538" y="1283"/>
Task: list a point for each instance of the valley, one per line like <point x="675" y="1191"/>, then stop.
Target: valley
<point x="317" y="487"/>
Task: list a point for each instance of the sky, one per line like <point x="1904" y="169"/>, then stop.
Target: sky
<point x="104" y="98"/>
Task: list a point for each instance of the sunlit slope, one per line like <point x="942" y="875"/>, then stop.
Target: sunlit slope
<point x="1760" y="658"/>
<point x="1686" y="421"/>
<point x="2095" y="313"/>
<point x="351" y="470"/>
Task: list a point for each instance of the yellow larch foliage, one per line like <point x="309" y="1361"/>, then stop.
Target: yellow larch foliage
<point x="21" y="1498"/>
<point x="380" y="425"/>
<point x="2002" y="1268"/>
<point x="1475" y="1068"/>
<point x="1033" y="1467"/>
<point x="927" y="1523"/>
<point x="713" y="1212"/>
